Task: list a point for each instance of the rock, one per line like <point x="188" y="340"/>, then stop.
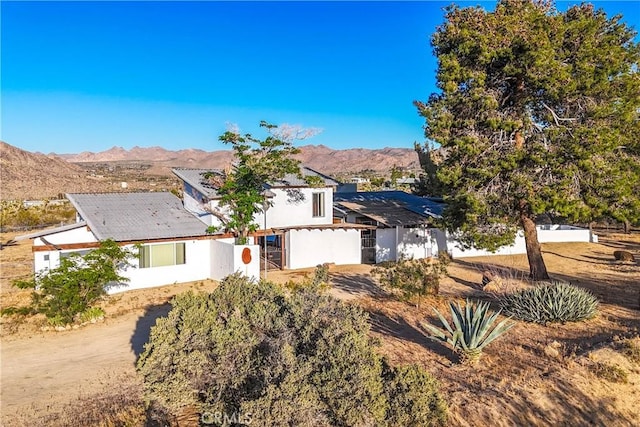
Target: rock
<point x="552" y="350"/>
<point x="623" y="256"/>
<point x="488" y="276"/>
<point x="493" y="286"/>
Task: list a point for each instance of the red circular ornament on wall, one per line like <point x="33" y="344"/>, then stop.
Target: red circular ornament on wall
<point x="246" y="255"/>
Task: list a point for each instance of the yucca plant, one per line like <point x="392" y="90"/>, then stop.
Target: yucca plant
<point x="552" y="302"/>
<point x="472" y="329"/>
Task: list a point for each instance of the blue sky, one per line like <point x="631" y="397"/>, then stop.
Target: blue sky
<point x="86" y="76"/>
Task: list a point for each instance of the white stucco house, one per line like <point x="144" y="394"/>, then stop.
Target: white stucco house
<point x="171" y="239"/>
<point x="301" y="226"/>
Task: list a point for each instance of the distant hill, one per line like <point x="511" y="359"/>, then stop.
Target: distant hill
<point x="25" y="175"/>
<point x="319" y="157"/>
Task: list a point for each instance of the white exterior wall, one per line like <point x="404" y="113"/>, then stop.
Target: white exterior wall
<point x="448" y="243"/>
<point x="251" y="270"/>
<point x="47" y="260"/>
<point x="226" y="259"/>
<point x="415" y="243"/>
<point x="386" y="249"/>
<point x="77" y="235"/>
<point x="197" y="254"/>
<point x="205" y="259"/>
<point x="309" y="248"/>
<point x="285" y="212"/>
<point x="409" y="243"/>
<point x="564" y="233"/>
<point x="196" y="208"/>
<point x="546" y="234"/>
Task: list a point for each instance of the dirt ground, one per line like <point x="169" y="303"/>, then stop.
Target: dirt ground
<point x="534" y="375"/>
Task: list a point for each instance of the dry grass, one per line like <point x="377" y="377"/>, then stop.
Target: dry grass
<point x="117" y="402"/>
<point x="533" y="375"/>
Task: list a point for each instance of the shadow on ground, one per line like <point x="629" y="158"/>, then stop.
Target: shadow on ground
<point x="357" y="285"/>
<point x="143" y="326"/>
<point x="398" y="327"/>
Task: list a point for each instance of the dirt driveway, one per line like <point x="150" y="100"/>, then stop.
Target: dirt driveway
<point x="52" y="367"/>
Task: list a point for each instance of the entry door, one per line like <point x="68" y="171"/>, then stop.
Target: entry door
<point x="368" y="239"/>
<point x="274" y="253"/>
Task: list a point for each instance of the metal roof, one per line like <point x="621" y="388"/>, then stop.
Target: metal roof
<point x="387" y="213"/>
<point x="392" y="207"/>
<point x="136" y="216"/>
<point x="195" y="178"/>
<point x="292" y="180"/>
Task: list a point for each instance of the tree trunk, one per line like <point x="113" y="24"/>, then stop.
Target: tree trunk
<point x="627" y="226"/>
<point x="537" y="268"/>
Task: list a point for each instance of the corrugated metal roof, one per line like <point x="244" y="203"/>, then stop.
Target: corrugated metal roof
<point x="386" y="212"/>
<point x="195" y="178"/>
<point x="423" y="206"/>
<point x="136" y="216"/>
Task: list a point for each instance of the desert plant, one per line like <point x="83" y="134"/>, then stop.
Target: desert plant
<point x="472" y="329"/>
<point x="77" y="283"/>
<point x="320" y="281"/>
<point x="609" y="372"/>
<point x="631" y="349"/>
<point x="91" y="314"/>
<point x="413" y="396"/>
<point x="287" y="359"/>
<point x="414" y="278"/>
<point x="552" y="302"/>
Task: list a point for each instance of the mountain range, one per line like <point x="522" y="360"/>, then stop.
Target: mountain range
<point x="27" y="175"/>
<point x="319" y="157"/>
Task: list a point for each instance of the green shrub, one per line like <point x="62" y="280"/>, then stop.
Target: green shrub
<point x="413" y="396"/>
<point x="247" y="348"/>
<point x="414" y="278"/>
<point x="553" y="302"/>
<point x="472" y="329"/>
<point x="91" y="314"/>
<point x="77" y="283"/>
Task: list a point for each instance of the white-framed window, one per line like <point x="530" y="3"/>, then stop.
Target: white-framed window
<point x="162" y="254"/>
<point x="318" y="204"/>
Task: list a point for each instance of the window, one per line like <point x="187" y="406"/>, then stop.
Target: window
<point x="79" y="253"/>
<point x="162" y="255"/>
<point x="318" y="204"/>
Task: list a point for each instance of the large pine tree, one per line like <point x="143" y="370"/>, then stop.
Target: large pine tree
<point x="538" y="112"/>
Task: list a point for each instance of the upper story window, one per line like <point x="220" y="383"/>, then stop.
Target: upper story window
<point x="162" y="255"/>
<point x="318" y="204"/>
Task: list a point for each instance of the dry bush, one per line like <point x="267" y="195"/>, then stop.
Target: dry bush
<point x="609" y="372"/>
<point x="119" y="404"/>
<point x="631" y="349"/>
<point x="505" y="280"/>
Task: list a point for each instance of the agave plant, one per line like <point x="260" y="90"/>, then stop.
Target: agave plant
<point x="472" y="329"/>
<point x="552" y="302"/>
